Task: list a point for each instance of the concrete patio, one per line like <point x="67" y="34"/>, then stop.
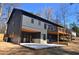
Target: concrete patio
<point x="40" y="46"/>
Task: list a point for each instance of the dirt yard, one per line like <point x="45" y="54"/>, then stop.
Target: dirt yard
<point x="13" y="49"/>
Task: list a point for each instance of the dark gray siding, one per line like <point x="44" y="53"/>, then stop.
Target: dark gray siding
<point x="14" y="25"/>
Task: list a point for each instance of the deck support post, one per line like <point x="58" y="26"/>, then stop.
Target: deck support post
<point x="58" y="38"/>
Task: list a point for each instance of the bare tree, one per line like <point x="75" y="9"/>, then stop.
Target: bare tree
<point x="0" y="10"/>
<point x="58" y="17"/>
<point x="63" y="13"/>
<point x="77" y="18"/>
<point x="2" y="27"/>
<point x="46" y="13"/>
<point x="9" y="8"/>
<point x="5" y="11"/>
<point x="76" y="12"/>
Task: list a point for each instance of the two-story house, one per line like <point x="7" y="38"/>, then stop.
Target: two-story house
<point x="25" y="27"/>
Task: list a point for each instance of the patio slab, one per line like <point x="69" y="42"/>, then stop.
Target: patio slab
<point x="40" y="46"/>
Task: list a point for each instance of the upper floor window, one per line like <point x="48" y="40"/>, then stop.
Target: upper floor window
<point x="13" y="23"/>
<point x="32" y="20"/>
<point x="48" y="26"/>
<point x="45" y="26"/>
<point x="39" y="22"/>
<point x="54" y="28"/>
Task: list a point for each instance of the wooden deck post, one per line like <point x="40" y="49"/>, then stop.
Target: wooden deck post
<point x="58" y="35"/>
<point x="58" y="38"/>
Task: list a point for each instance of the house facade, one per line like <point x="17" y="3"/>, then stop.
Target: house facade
<point x="25" y="27"/>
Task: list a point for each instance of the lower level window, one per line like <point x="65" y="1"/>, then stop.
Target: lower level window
<point x="44" y="36"/>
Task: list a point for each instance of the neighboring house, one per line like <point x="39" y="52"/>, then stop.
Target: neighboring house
<point x="25" y="27"/>
<point x="73" y="34"/>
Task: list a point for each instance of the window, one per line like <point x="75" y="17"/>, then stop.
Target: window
<point x="48" y="27"/>
<point x="32" y="20"/>
<point x="13" y="23"/>
<point x="39" y="22"/>
<point x="53" y="28"/>
<point x="44" y="36"/>
<point x="45" y="26"/>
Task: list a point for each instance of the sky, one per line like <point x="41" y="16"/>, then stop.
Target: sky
<point x="56" y="8"/>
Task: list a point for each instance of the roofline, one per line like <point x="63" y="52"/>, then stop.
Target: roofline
<point x="25" y="12"/>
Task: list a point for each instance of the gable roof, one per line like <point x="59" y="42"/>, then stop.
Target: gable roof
<point x="32" y="15"/>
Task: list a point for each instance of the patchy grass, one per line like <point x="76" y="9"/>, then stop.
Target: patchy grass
<point x="14" y="49"/>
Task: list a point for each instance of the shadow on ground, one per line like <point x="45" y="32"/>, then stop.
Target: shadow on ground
<point x="61" y="51"/>
<point x="28" y="51"/>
